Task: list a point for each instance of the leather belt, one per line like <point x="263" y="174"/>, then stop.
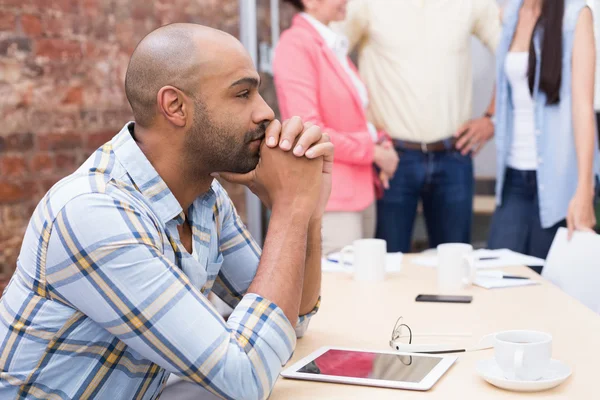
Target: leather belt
<point x="442" y="145"/>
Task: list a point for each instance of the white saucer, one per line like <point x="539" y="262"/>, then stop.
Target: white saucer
<point x="491" y="372"/>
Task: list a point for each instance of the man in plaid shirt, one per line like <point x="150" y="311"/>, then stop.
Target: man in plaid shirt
<point x="109" y="294"/>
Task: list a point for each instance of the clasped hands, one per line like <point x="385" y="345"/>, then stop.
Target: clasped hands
<point x="293" y="174"/>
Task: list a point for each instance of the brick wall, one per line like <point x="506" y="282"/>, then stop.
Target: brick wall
<point x="62" y="67"/>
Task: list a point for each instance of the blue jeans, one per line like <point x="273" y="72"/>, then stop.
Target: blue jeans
<point x="516" y="224"/>
<point x="444" y="182"/>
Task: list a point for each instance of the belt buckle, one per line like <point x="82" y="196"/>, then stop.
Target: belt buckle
<point x="424" y="147"/>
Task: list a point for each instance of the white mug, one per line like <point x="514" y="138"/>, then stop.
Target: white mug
<point x="456" y="266"/>
<point x="523" y="355"/>
<point x="369" y="259"/>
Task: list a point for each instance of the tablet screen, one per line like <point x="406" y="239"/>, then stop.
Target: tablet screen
<point x="358" y="364"/>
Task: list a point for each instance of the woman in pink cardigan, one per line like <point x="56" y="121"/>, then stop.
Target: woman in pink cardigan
<point x="316" y="80"/>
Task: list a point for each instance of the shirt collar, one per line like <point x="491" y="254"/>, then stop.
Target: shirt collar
<point x="145" y="177"/>
<point x="338" y="43"/>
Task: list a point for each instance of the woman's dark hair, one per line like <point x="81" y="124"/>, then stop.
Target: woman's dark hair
<point x="296" y="3"/>
<point x="551" y="22"/>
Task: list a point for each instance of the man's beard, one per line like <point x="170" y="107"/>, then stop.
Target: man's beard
<point x="211" y="148"/>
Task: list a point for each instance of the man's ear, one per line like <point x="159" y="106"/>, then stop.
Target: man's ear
<point x="173" y="106"/>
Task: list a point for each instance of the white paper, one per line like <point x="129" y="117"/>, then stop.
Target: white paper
<point x="393" y="262"/>
<point x="495" y="283"/>
<point x="574" y="266"/>
<point x="502" y="258"/>
<point x="493" y="279"/>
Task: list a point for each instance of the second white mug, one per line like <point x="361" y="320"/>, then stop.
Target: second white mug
<point x="456" y="266"/>
<point x="369" y="259"/>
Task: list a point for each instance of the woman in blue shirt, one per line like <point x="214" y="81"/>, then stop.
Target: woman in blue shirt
<point x="545" y="126"/>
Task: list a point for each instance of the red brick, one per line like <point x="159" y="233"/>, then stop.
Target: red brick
<point x="59" y="25"/>
<point x="60" y="141"/>
<point x="142" y="10"/>
<point x="31" y="24"/>
<point x="74" y="96"/>
<point x="11" y="192"/>
<point x="90" y="7"/>
<point x="46" y="184"/>
<point x="42" y="163"/>
<point x="13" y="166"/>
<point x="68" y="6"/>
<point x="7" y="21"/>
<point x="66" y="162"/>
<point x="12" y="3"/>
<point x="59" y="49"/>
<point x="97" y="139"/>
<point x="14" y="217"/>
<point x="17" y="142"/>
<point x="54" y="119"/>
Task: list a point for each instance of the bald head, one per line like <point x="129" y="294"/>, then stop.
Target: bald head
<point x="175" y="55"/>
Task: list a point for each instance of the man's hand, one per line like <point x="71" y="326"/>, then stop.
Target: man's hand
<point x="283" y="181"/>
<point x="473" y="135"/>
<point x="293" y="133"/>
<point x="324" y="147"/>
<point x="386" y="158"/>
<point x="310" y="143"/>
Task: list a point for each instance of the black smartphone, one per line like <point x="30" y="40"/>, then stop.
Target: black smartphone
<point x="434" y="298"/>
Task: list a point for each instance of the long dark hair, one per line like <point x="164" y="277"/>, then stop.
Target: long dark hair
<point x="551" y="21"/>
<point x="296" y="3"/>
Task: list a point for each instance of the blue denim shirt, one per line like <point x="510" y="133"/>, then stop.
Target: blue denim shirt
<point x="557" y="157"/>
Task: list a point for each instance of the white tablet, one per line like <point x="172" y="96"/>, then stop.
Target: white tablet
<point x="371" y="368"/>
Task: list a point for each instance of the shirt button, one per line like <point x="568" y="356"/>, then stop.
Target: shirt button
<point x="541" y="188"/>
<point x="540" y="161"/>
<point x="538" y="132"/>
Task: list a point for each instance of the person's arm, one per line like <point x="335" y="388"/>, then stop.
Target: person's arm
<point x="241" y="256"/>
<point x="117" y="275"/>
<point x="294" y="185"/>
<point x="581" y="210"/>
<point x="296" y="82"/>
<point x="312" y="274"/>
<point x="487" y="27"/>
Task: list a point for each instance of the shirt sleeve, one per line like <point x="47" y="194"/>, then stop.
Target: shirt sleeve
<point x="297" y="86"/>
<point x="487" y="25"/>
<point x="241" y="256"/>
<point x="114" y="271"/>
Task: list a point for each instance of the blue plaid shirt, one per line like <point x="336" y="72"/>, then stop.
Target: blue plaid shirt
<point x="106" y="302"/>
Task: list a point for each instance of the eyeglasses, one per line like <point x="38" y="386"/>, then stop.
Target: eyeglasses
<point x="402" y="340"/>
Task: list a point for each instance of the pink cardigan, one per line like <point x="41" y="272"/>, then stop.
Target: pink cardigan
<point x="311" y="83"/>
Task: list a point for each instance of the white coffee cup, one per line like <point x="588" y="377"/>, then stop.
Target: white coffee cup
<point x="523" y="355"/>
<point x="456" y="266"/>
<point x="369" y="259"/>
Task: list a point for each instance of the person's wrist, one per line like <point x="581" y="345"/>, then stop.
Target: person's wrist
<point x="315" y="223"/>
<point x="585" y="190"/>
<point x="294" y="212"/>
<point x="377" y="154"/>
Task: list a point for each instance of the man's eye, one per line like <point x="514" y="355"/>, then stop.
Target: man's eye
<point x="245" y="94"/>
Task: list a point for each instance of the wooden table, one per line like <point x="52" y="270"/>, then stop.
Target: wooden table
<point x="361" y="315"/>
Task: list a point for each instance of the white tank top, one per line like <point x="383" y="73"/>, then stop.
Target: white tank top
<point x="523" y="153"/>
